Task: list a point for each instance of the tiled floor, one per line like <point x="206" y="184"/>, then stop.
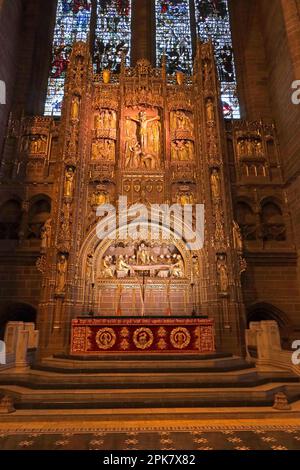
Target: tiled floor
<point x="195" y="438"/>
<point x="258" y="432"/>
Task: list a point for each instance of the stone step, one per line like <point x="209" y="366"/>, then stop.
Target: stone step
<point x="128" y="364"/>
<point x="43" y="380"/>
<point x="262" y="395"/>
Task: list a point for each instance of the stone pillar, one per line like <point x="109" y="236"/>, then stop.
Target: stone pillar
<point x="19" y="337"/>
<point x="143" y="42"/>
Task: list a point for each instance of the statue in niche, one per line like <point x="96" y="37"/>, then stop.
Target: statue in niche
<point x="99" y="198"/>
<point x="215" y="184"/>
<point x="185" y="198"/>
<point x="46" y="234"/>
<point x="97" y="122"/>
<point x="90" y="273"/>
<point x="69" y="182"/>
<point x="242" y="147"/>
<point x="103" y="149"/>
<point x="207" y="74"/>
<point x="143" y="126"/>
<point x="181" y="122"/>
<point x="210" y="110"/>
<point x="182" y="150"/>
<point x="66" y="220"/>
<point x="62" y="266"/>
<point x="259" y="151"/>
<point x="107" y="120"/>
<point x="75" y="108"/>
<point x="223" y="273"/>
<point x="237" y="237"/>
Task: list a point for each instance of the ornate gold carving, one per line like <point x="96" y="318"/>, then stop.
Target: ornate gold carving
<point x="222" y="273"/>
<point x="69" y="182"/>
<point x="62" y="267"/>
<point x="106" y="338"/>
<point x="180" y="338"/>
<point x="143" y="338"/>
<point x="46" y="234"/>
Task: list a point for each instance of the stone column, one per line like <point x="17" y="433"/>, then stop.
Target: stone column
<point x="143" y="42"/>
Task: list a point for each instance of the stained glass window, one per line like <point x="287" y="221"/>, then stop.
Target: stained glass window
<point x="72" y="24"/>
<point x="173" y="34"/>
<point x="113" y="34"/>
<point x="212" y="21"/>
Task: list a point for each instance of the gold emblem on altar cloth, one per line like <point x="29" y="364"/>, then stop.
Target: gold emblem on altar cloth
<point x="105" y="338"/>
<point x="180" y="338"/>
<point x="143" y="338"/>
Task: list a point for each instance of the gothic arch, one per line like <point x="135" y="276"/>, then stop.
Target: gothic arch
<point x="39" y="213"/>
<point x="264" y="311"/>
<point x="16" y="311"/>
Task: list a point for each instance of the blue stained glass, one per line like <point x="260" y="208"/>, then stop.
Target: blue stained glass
<point x="173" y="35"/>
<point x="113" y="34"/>
<point x="213" y="22"/>
<point x="72" y="24"/>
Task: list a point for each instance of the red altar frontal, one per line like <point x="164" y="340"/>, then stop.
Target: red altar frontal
<point x="92" y="336"/>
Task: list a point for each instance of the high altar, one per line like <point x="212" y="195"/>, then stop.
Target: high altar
<point x="156" y="139"/>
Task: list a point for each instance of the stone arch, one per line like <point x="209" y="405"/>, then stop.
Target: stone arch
<point x="98" y="248"/>
<point x="264" y="311"/>
<point x="272" y="218"/>
<point x="39" y="212"/>
<point x="246" y="218"/>
<point x="16" y="311"/>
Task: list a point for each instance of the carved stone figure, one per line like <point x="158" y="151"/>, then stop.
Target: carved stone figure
<point x="223" y="274"/>
<point x="242" y="148"/>
<point x="62" y="266"/>
<point x="215" y="184"/>
<point x="181" y="122"/>
<point x="237" y="237"/>
<point x="122" y="267"/>
<point x="180" y="78"/>
<point x="109" y="268"/>
<point x="143" y="124"/>
<point x="99" y="198"/>
<point x="106" y="74"/>
<point x="69" y="182"/>
<point x="75" y="108"/>
<point x="90" y="273"/>
<point x="210" y="111"/>
<point x="46" y="234"/>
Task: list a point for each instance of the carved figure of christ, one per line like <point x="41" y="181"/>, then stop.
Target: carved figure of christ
<point x="143" y="122"/>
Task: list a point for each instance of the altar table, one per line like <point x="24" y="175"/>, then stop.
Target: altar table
<point x="146" y="335"/>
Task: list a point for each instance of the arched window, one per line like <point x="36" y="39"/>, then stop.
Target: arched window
<point x="72" y="24"/>
<point x="107" y="21"/>
<point x="179" y="22"/>
<point x="107" y="24"/>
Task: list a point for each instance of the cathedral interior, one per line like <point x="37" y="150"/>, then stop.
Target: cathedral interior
<point x="167" y="102"/>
